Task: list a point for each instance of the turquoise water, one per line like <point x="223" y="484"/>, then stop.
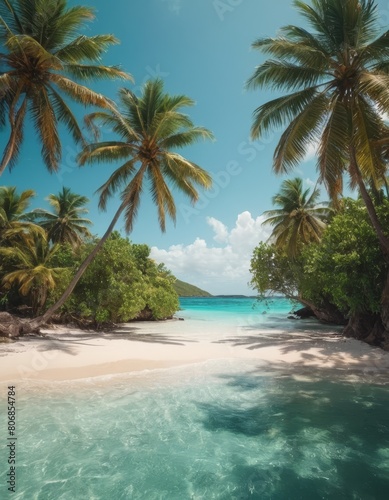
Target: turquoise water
<point x="242" y="315"/>
<point x="223" y="429"/>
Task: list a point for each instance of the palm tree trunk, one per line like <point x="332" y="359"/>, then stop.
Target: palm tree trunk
<point x="36" y="322"/>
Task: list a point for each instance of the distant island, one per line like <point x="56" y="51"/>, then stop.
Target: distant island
<point x="184" y="289"/>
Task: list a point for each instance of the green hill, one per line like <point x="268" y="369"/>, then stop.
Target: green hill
<point x="187" y="290"/>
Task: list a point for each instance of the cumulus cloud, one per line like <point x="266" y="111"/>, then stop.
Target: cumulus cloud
<point x="222" y="268"/>
<point x="220" y="229"/>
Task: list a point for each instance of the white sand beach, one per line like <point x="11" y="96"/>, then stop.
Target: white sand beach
<point x="69" y="354"/>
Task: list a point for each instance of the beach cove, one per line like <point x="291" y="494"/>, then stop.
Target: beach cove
<point x="67" y="353"/>
<point x="248" y="405"/>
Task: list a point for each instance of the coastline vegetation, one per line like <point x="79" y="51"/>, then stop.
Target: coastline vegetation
<point x="121" y="284"/>
<point x="335" y="84"/>
<point x="332" y="256"/>
<point x="43" y="51"/>
<point x="184" y="289"/>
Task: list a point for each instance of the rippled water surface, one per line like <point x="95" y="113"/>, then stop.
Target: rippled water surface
<point x="223" y="429"/>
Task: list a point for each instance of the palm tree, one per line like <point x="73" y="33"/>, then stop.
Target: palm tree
<point x="337" y="79"/>
<point x="13" y="206"/>
<point x="65" y="224"/>
<point x="29" y="258"/>
<point x="150" y="129"/>
<point x="43" y="54"/>
<point x="299" y="220"/>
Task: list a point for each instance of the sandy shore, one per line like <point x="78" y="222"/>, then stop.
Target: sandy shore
<point x="68" y="353"/>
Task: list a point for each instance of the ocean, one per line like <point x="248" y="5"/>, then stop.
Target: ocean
<point x="222" y="429"/>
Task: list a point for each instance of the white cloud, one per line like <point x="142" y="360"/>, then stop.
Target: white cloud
<point x="311" y="151"/>
<point x="221" y="269"/>
<point x="220" y="229"/>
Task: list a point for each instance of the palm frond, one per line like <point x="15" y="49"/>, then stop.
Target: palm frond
<point x="80" y="93"/>
<point x="332" y="154"/>
<point x="279" y="75"/>
<point x="280" y="111"/>
<point x="117" y="179"/>
<point x="131" y="197"/>
<point x="186" y="138"/>
<point x="161" y="197"/>
<point x="65" y="115"/>
<point x="108" y="151"/>
<point x="300" y="134"/>
<point x="46" y="126"/>
<point x="84" y="48"/>
<point x="294" y="51"/>
<point x="12" y="149"/>
<point x="87" y="72"/>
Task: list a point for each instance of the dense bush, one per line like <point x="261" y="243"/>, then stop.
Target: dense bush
<point x="121" y="282"/>
<point x="346" y="269"/>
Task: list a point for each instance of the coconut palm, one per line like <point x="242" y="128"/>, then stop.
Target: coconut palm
<point x="150" y="128"/>
<point x="66" y="223"/>
<point x="334" y="81"/>
<point x="44" y="57"/>
<point x="13" y="215"/>
<point x="299" y="219"/>
<point x="30" y="270"/>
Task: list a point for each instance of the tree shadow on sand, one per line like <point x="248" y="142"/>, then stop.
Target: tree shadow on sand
<point x="68" y="341"/>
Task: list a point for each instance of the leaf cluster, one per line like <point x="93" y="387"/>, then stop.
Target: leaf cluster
<point x="345" y="268"/>
<point x="120" y="283"/>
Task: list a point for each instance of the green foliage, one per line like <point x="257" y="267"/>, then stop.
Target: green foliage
<point x="151" y="128"/>
<point x="345" y="269"/>
<point x="28" y="268"/>
<point x="273" y="272"/>
<point x="43" y="40"/>
<point x="347" y="266"/>
<point x="333" y="77"/>
<point x="121" y="282"/>
<point x="184" y="289"/>
<point x="299" y="219"/>
<point x="66" y="224"/>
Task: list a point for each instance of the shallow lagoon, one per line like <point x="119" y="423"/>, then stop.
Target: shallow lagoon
<point x="223" y="429"/>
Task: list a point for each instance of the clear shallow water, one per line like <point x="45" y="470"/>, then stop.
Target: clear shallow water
<point x="243" y="315"/>
<point x="224" y="429"/>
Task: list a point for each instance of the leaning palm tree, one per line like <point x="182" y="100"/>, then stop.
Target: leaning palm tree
<point x="43" y="59"/>
<point x="150" y="129"/>
<point x="336" y="79"/>
<point x="299" y="220"/>
<point x="66" y="223"/>
<point x="30" y="268"/>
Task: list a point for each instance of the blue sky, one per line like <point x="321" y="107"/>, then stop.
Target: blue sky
<point x="200" y="48"/>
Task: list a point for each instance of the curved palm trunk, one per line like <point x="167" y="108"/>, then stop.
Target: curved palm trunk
<point x="35" y="323"/>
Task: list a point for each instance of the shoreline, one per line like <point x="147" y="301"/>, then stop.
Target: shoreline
<point x="66" y="353"/>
